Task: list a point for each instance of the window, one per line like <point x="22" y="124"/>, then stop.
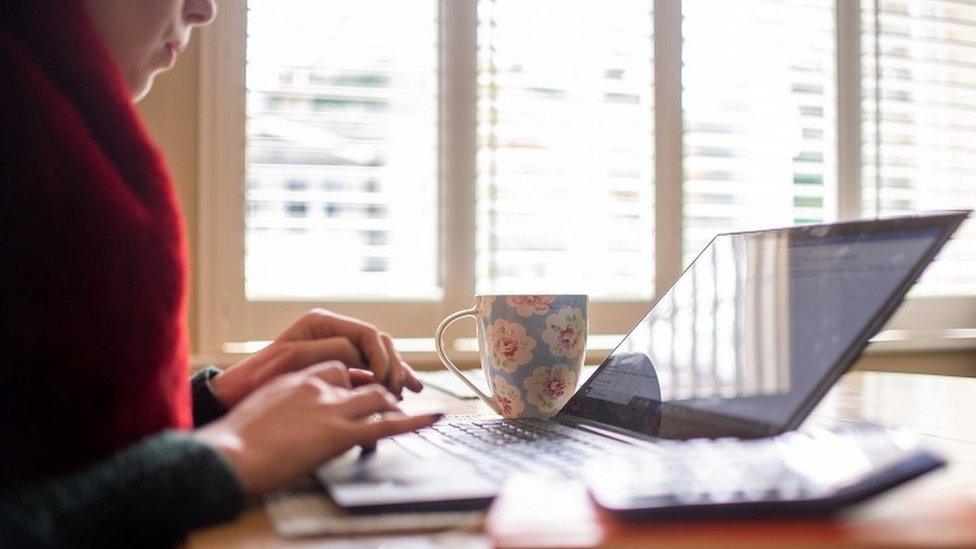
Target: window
<point x="391" y="158"/>
<point x="919" y="79"/>
<point x="565" y="179"/>
<point x="758" y="96"/>
<point x="352" y="104"/>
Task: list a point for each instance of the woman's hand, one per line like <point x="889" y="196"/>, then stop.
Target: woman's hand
<point x="300" y="420"/>
<point x="319" y="336"/>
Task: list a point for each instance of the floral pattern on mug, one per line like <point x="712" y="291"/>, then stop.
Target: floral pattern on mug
<point x="486" y="305"/>
<point x="511" y="347"/>
<point x="565" y="332"/>
<point x="549" y="388"/>
<point x="528" y="305"/>
<point x="508" y="398"/>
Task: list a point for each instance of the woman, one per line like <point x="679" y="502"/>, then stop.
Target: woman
<point x="95" y="405"/>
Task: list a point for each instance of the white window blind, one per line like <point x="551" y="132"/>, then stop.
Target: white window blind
<point x="341" y="149"/>
<point x="759" y="103"/>
<point x="919" y="126"/>
<point x="371" y="189"/>
<point x="565" y="147"/>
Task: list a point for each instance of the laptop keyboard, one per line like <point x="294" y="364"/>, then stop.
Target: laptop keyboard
<point x="791" y="466"/>
<point x="795" y="466"/>
<point x="497" y="447"/>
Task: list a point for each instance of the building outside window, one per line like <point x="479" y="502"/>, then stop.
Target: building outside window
<point x="399" y="156"/>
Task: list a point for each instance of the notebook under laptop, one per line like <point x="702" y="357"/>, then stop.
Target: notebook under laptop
<point x="744" y="344"/>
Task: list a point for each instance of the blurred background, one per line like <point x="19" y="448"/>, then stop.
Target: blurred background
<point x="391" y="158"/>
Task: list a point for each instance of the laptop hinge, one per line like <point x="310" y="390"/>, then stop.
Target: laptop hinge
<point x="576" y="423"/>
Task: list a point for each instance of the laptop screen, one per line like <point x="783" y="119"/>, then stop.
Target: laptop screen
<point x="753" y="333"/>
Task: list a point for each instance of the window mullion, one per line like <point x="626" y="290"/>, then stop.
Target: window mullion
<point x="668" y="138"/>
<point x="457" y="134"/>
<point x="848" y="35"/>
<point x="222" y="312"/>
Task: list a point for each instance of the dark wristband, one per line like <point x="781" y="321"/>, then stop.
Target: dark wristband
<point x="206" y="407"/>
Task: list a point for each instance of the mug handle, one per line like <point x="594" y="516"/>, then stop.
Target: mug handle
<point x="438" y="345"/>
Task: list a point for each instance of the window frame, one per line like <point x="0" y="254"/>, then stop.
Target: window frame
<point x="225" y="316"/>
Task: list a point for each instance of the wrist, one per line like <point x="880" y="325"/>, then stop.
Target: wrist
<point x="230" y="447"/>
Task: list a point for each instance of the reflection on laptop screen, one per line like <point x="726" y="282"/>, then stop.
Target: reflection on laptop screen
<point x="750" y="331"/>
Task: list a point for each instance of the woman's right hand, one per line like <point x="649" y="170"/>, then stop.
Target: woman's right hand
<point x="300" y="420"/>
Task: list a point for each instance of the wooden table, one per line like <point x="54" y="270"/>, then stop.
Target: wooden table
<point x="937" y="509"/>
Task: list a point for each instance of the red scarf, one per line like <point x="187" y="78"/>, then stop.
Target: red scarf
<point x="93" y="347"/>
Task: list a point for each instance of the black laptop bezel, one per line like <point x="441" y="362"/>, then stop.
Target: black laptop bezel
<point x="947" y="222"/>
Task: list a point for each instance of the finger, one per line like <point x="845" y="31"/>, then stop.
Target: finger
<point x="395" y="377"/>
<point x="368" y="400"/>
<point x="332" y="372"/>
<point x="360" y="377"/>
<point x="369" y="448"/>
<point x="370" y="343"/>
<point x="390" y="424"/>
<point x="323" y="324"/>
<point x="302" y="354"/>
<point x="309" y="326"/>
<point x="411" y="380"/>
<point x="406" y="376"/>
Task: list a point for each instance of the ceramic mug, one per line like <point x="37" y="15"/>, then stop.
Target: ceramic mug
<point x="532" y="348"/>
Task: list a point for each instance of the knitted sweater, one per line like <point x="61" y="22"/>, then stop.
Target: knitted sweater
<point x="148" y="495"/>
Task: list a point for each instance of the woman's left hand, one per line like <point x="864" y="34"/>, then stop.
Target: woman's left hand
<point x="319" y="336"/>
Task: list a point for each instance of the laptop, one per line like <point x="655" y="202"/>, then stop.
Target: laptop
<point x="743" y="345"/>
